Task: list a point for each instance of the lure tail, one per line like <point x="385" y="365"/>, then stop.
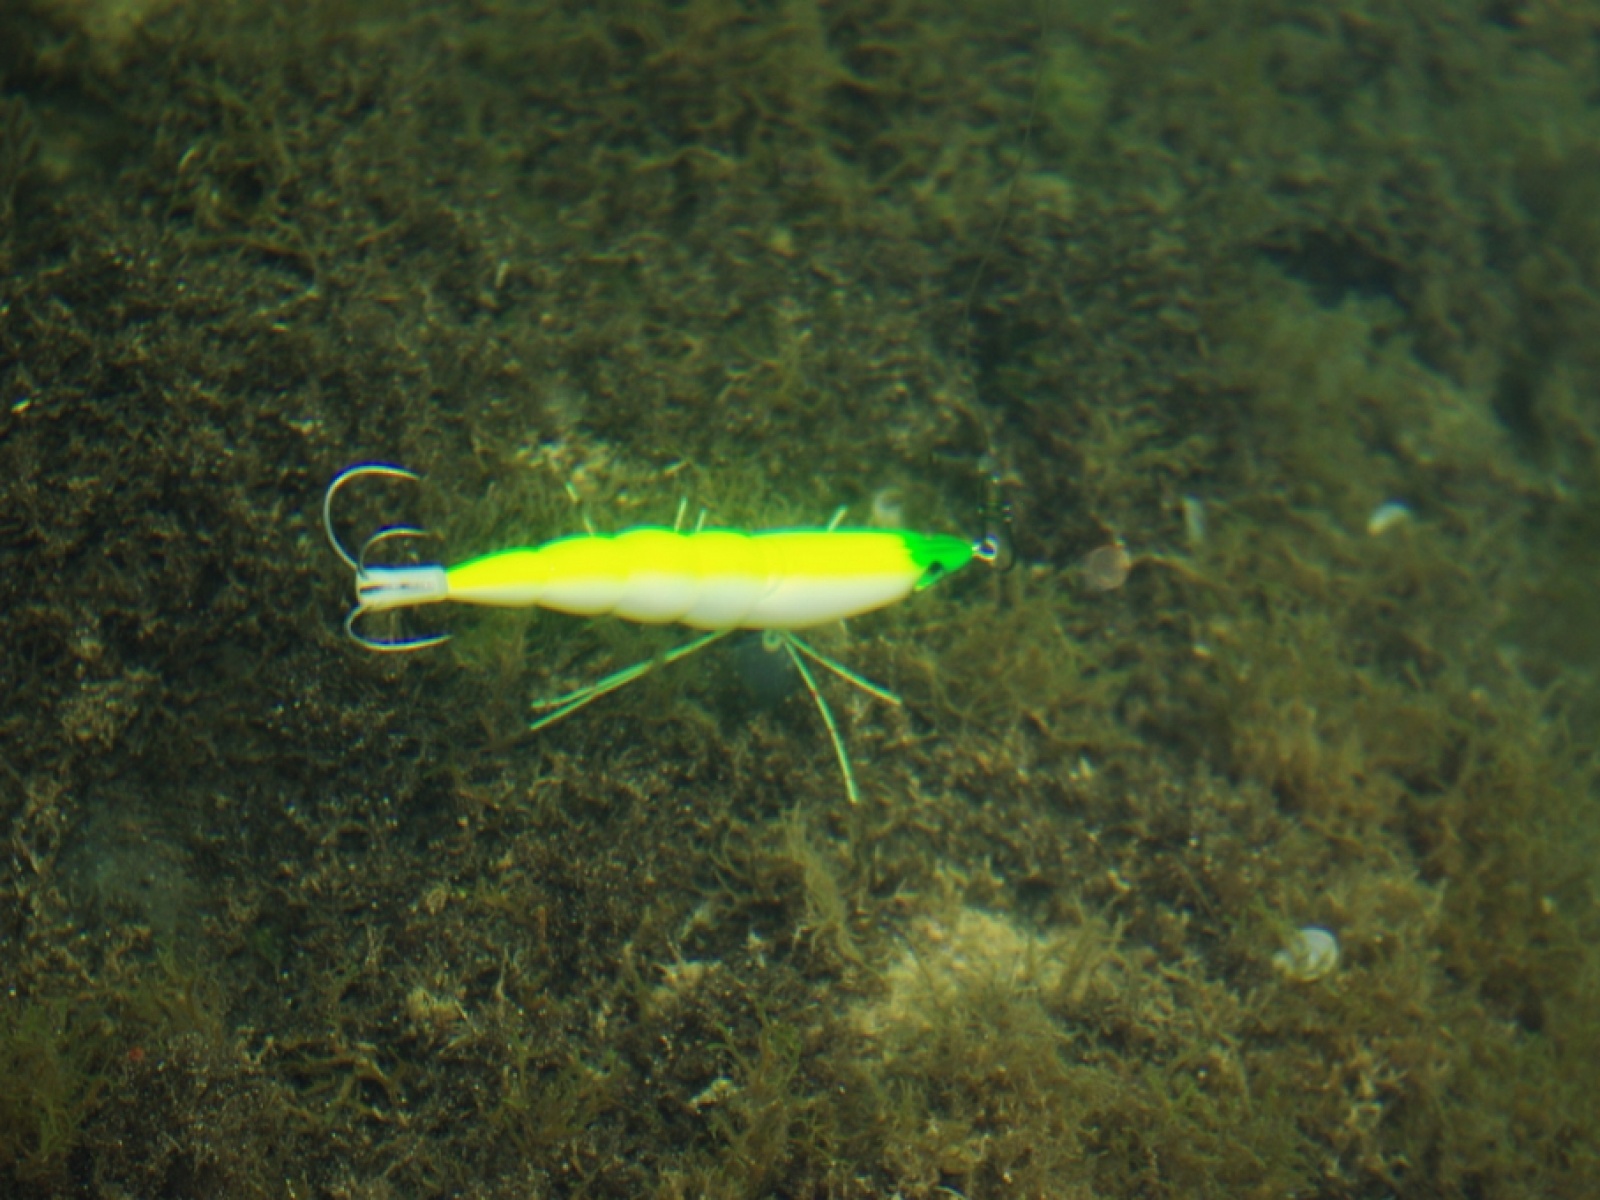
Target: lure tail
<point x="385" y="588"/>
<point x="379" y="589"/>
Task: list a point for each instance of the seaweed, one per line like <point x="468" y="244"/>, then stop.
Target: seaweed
<point x="54" y="1057"/>
<point x="1290" y="306"/>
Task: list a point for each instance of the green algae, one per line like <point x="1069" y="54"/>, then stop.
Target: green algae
<point x="53" y="1060"/>
<point x="286" y="920"/>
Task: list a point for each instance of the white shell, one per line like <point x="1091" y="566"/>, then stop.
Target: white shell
<point x="1311" y="954"/>
<point x="1386" y="516"/>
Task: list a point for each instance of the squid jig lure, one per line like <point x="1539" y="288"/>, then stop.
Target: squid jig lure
<point x="718" y="581"/>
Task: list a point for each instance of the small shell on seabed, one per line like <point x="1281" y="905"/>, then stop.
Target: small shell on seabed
<point x="1106" y="569"/>
<point x="1311" y="954"/>
<point x="1387" y="516"/>
<point x="888" y="509"/>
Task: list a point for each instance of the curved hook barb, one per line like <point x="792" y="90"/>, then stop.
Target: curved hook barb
<point x="385" y="470"/>
<point x="384" y="587"/>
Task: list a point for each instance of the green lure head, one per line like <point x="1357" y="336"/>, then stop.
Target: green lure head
<point x="937" y="555"/>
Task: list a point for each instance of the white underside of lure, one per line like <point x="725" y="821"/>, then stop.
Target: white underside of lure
<point x="655" y="597"/>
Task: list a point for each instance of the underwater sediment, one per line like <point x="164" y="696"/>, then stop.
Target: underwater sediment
<point x="1274" y="323"/>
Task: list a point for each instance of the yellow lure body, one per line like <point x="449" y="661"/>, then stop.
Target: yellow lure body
<point x="715" y="579"/>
